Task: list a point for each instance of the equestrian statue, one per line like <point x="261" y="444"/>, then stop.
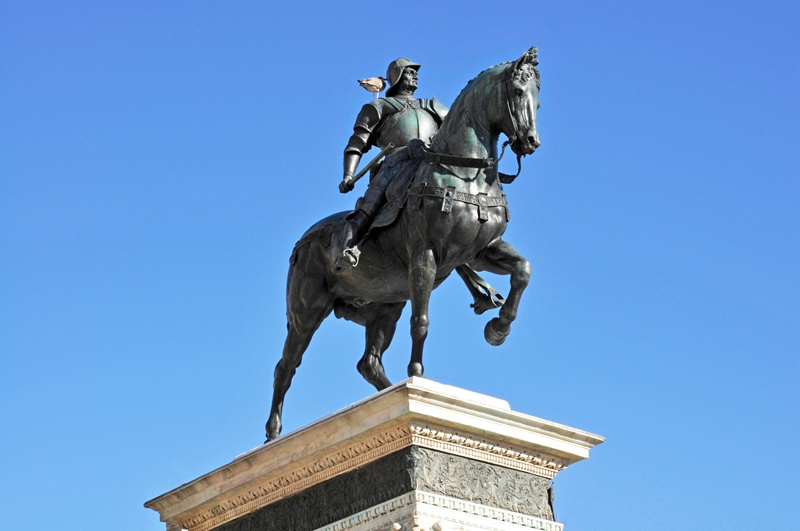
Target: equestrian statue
<point x="435" y="204"/>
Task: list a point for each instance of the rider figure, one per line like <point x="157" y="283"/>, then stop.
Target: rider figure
<point x="395" y="119"/>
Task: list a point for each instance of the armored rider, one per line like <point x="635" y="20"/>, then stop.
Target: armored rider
<point x="396" y="119"/>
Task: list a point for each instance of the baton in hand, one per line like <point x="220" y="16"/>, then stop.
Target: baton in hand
<point x="372" y="163"/>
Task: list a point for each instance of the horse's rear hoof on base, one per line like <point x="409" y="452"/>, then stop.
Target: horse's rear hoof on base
<point x="415" y="369"/>
<point x="494" y="336"/>
<point x="273" y="430"/>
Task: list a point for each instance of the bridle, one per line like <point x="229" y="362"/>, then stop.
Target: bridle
<point x="511" y="108"/>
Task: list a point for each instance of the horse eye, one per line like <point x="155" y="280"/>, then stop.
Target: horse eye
<point x="518" y="91"/>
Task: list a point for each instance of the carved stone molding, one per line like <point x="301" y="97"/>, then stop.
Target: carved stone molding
<point x="451" y="512"/>
<point x="448" y="441"/>
<point x="425" y="511"/>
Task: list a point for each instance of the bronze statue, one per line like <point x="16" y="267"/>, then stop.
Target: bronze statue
<point x="445" y="208"/>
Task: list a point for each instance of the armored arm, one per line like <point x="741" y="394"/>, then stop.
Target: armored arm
<point x="360" y="142"/>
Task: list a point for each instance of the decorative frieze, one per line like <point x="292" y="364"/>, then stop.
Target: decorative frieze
<point x="486" y="484"/>
<point x="448" y="441"/>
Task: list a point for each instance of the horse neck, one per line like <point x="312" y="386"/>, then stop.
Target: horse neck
<point x="466" y="131"/>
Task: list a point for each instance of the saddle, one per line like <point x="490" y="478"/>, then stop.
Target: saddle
<point x="403" y="166"/>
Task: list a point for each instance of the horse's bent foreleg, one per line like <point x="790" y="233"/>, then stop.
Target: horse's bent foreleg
<point x="421" y="277"/>
<point x="381" y="323"/>
<point x="308" y="304"/>
<point x="500" y="257"/>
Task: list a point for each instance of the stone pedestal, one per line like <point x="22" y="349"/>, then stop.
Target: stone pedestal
<point x="419" y="456"/>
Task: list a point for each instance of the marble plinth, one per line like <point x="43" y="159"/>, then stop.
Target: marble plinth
<point x="419" y="456"/>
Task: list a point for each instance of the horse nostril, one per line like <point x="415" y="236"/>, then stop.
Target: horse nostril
<point x="532" y="141"/>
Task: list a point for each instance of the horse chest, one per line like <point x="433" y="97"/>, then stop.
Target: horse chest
<point x="459" y="234"/>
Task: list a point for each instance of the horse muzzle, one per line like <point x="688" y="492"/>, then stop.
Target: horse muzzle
<point x="525" y="145"/>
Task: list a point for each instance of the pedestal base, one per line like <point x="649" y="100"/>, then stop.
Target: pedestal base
<point x="419" y="456"/>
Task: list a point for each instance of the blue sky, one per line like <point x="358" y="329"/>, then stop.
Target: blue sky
<point x="160" y="159"/>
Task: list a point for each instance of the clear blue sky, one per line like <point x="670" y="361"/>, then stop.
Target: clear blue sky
<point x="160" y="159"/>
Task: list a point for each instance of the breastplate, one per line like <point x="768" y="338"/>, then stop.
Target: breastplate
<point x="406" y="125"/>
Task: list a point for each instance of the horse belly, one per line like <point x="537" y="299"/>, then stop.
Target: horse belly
<point x="380" y="276"/>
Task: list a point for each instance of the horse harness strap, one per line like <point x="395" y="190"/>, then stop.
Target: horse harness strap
<point x="465" y="162"/>
<point x="419" y="149"/>
<point x="450" y="194"/>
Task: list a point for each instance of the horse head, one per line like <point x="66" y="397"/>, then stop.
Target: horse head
<point x="514" y="101"/>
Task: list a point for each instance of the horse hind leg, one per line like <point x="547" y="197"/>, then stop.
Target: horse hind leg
<point x="380" y="324"/>
<point x="308" y="304"/>
<point x="502" y="258"/>
<point x="421" y="277"/>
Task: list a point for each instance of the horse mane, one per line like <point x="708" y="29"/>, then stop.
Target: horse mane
<point x="534" y="62"/>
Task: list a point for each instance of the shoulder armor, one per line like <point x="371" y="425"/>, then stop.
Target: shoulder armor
<point x="369" y="117"/>
<point x="436" y="108"/>
<point x="439" y="108"/>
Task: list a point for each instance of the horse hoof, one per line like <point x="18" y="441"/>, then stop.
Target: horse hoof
<point x="494" y="336"/>
<point x="273" y="430"/>
<point x="415" y="369"/>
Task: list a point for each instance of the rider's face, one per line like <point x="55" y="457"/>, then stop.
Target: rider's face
<point x="409" y="78"/>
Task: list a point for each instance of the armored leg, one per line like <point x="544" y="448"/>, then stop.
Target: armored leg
<point x="356" y="226"/>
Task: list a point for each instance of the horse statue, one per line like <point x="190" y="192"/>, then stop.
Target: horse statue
<point x="454" y="212"/>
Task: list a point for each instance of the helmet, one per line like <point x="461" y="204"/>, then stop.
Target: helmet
<point x="395" y="70"/>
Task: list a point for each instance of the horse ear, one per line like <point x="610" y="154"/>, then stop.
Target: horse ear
<point x="529" y="57"/>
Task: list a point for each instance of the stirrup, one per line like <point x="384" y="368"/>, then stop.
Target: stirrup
<point x="348" y="259"/>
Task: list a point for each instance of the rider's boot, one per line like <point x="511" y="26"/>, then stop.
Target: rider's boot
<point x="356" y="226"/>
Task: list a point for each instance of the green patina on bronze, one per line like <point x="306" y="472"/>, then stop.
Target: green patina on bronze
<point x="453" y="219"/>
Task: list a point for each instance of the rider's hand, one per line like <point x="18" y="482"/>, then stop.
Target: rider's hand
<point x="347" y="184"/>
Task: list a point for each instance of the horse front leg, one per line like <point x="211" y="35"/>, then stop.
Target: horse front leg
<point x="501" y="258"/>
<point x="421" y="276"/>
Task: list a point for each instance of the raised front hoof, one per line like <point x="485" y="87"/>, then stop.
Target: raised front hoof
<point x="495" y="333"/>
<point x="415" y="369"/>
